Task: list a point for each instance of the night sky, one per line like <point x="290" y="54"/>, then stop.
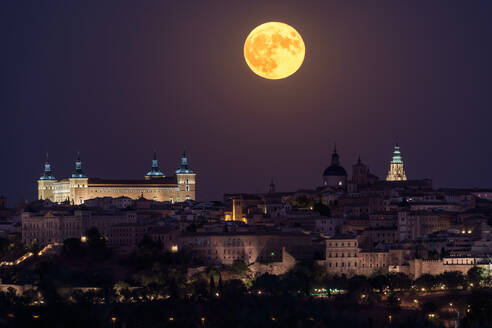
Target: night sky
<point x="117" y="79"/>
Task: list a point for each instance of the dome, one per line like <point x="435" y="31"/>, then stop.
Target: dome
<point x="334" y="171"/>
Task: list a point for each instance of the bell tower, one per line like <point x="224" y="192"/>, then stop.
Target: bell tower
<point x="396" y="171"/>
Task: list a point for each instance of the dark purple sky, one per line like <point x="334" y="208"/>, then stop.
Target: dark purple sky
<point x="117" y="79"/>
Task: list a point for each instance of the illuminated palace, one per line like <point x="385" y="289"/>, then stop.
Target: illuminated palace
<point x="155" y="186"/>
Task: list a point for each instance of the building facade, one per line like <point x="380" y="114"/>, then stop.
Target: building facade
<point x="226" y="247"/>
<point x="56" y="226"/>
<point x="155" y="185"/>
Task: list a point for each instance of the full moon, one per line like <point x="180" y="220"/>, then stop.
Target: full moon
<point x="274" y="50"/>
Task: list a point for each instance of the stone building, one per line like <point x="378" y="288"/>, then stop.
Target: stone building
<point x="226" y="247"/>
<point x="342" y="254"/>
<point x="155" y="185"/>
<point x="414" y="224"/>
<point x="345" y="256"/>
<point x="121" y="228"/>
<point x="418" y="267"/>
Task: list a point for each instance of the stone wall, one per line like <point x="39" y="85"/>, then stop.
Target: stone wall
<point x="276" y="268"/>
<point x="419" y="267"/>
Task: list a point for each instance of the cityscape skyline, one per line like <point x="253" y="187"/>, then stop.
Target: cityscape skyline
<point x="254" y="189"/>
<point x="375" y="77"/>
<point x="245" y="163"/>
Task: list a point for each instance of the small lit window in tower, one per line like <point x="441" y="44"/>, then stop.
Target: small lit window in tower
<point x="187" y="181"/>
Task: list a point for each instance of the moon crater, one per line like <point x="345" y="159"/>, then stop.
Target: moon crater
<point x="274" y="50"/>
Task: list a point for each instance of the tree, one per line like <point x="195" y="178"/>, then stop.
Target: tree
<point x="212" y="285"/>
<point x="199" y="288"/>
<point x="72" y="247"/>
<point x="239" y="267"/>
<point x="268" y="284"/>
<point x="148" y="249"/>
<point x="96" y="244"/>
<point x="358" y="284"/>
<point x="477" y="276"/>
<point x="4" y="246"/>
<point x="400" y="281"/>
<point x="304" y="275"/>
<point x="234" y="288"/>
<point x="379" y="281"/>
<point x="426" y="281"/>
<point x="453" y="279"/>
<point x="221" y="289"/>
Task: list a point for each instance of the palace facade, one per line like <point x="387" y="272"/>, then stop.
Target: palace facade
<point x="155" y="185"/>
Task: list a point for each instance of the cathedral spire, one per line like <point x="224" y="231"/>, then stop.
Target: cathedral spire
<point x="397" y="155"/>
<point x="396" y="171"/>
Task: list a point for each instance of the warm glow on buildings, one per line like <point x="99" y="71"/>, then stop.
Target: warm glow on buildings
<point x="396" y="171"/>
<point x="79" y="188"/>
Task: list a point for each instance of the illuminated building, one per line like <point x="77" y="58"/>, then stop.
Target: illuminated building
<point x="396" y="171"/>
<point x="237" y="211"/>
<point x="335" y="175"/>
<point x="155" y="186"/>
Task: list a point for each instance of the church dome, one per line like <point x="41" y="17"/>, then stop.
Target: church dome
<point x="335" y="169"/>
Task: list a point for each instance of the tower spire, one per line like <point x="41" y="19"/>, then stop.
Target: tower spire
<point x="335" y="159"/>
<point x="78" y="168"/>
<point x="47" y="174"/>
<point x="184" y="168"/>
<point x="154" y="171"/>
<point x="396" y="171"/>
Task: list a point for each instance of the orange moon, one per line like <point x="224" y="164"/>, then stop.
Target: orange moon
<point x="274" y="50"/>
